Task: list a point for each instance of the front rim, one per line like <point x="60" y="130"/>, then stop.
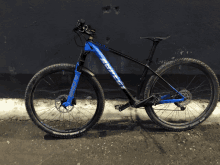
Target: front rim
<point x="51" y="90"/>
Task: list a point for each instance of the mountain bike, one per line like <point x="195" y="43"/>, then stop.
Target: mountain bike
<point x="66" y="100"/>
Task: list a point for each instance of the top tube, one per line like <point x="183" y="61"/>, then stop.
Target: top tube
<point x="100" y="46"/>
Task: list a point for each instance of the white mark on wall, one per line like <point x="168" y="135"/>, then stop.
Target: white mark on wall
<point x="5" y="39"/>
<point x="34" y="23"/>
<point x="162" y="61"/>
<point x="107" y="40"/>
<point x="107" y="9"/>
<point x="181" y="51"/>
<point x="32" y="8"/>
<point x="12" y="70"/>
<point x="117" y="10"/>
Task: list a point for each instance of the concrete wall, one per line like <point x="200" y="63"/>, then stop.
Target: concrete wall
<point x="38" y="33"/>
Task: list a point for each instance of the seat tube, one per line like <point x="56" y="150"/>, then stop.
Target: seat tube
<point x="143" y="76"/>
<point x="155" y="43"/>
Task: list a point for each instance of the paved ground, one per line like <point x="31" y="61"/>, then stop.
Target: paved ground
<point x="123" y="140"/>
<point x="119" y="142"/>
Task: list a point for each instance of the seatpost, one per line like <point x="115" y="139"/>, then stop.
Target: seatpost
<point x="155" y="43"/>
<point x="149" y="60"/>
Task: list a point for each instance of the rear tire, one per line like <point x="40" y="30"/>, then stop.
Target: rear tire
<point x="49" y="96"/>
<point x="192" y="101"/>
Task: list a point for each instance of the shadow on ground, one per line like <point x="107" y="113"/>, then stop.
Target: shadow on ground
<point x="26" y="129"/>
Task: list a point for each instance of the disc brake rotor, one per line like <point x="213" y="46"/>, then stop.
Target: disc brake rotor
<point x="58" y="104"/>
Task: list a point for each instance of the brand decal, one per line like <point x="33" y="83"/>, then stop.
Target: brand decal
<point x="74" y="85"/>
<point x="110" y="69"/>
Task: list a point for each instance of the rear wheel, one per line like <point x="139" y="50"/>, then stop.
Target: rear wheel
<point x="194" y="80"/>
<point x="50" y="87"/>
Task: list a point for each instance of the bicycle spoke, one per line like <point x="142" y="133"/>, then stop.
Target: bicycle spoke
<point x="51" y="79"/>
<point x="193" y="89"/>
<point x="47" y="111"/>
<point x="198" y="86"/>
<point x="200" y="91"/>
<point x="87" y="111"/>
<point x="163" y="86"/>
<point x="172" y="81"/>
<point x="191" y="81"/>
<point x="46" y="82"/>
<point x="169" y="114"/>
<point x="82" y="113"/>
<point x="189" y="115"/>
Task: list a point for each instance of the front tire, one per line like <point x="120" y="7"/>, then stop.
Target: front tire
<point x="54" y="83"/>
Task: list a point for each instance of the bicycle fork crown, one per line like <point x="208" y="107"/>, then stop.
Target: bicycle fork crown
<point x="73" y="88"/>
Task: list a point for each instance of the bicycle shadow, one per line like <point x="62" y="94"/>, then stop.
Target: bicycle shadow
<point x="118" y="127"/>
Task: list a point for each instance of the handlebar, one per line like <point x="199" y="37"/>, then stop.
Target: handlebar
<point x="81" y="27"/>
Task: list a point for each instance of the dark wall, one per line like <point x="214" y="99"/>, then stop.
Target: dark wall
<point x="38" y="33"/>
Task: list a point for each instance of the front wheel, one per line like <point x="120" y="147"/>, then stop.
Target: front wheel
<point x="194" y="80"/>
<point x="50" y="87"/>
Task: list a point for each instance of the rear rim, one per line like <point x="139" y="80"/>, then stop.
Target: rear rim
<point x="194" y="84"/>
<point x="49" y="94"/>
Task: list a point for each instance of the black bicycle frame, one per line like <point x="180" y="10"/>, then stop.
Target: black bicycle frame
<point x="147" y="66"/>
<point x="132" y="101"/>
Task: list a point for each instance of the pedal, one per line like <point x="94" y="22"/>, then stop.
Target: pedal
<point x="122" y="107"/>
<point x="117" y="107"/>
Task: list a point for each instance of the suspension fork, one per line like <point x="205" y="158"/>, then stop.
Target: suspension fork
<point x="78" y="69"/>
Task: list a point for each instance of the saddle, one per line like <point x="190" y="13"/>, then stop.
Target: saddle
<point x="157" y="39"/>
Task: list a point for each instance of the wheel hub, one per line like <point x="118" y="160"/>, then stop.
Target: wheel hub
<point x="187" y="95"/>
<point x="58" y="104"/>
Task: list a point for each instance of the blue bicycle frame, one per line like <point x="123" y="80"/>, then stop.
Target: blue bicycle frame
<point x="95" y="47"/>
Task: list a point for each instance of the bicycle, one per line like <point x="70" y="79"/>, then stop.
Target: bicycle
<point x="176" y="99"/>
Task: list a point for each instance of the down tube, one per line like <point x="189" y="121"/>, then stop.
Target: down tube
<point x="93" y="48"/>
